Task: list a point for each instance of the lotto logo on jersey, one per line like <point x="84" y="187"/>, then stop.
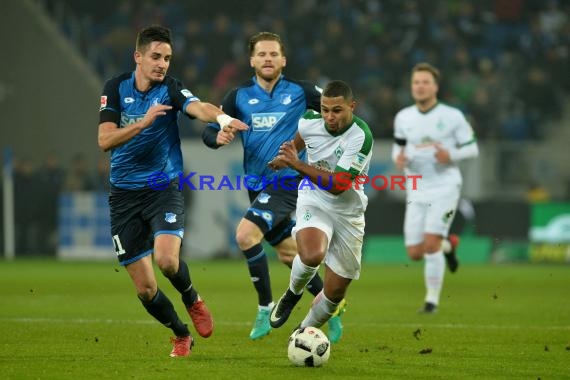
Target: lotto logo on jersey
<point x="265" y="121"/>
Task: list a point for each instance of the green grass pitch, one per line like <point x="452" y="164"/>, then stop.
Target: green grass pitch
<point x="61" y="320"/>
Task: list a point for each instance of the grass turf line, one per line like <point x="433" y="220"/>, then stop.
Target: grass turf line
<point x="62" y="320"/>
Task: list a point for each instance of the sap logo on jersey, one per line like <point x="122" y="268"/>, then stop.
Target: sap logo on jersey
<point x="130" y="119"/>
<point x="266" y="121"/>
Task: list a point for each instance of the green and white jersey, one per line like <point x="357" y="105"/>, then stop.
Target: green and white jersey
<point x="443" y="125"/>
<point x="349" y="151"/>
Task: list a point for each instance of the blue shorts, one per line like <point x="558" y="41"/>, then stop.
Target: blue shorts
<point x="138" y="216"/>
<point x="272" y="210"/>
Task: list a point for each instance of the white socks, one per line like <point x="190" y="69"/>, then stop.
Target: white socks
<point x="266" y="308"/>
<point x="434" y="269"/>
<point x="301" y="274"/>
<point x="320" y="312"/>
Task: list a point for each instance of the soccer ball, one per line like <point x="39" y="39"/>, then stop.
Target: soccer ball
<point x="308" y="347"/>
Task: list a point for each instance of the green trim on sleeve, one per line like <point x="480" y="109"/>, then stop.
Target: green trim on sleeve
<point x="352" y="172"/>
<point x="364" y="151"/>
<point x="472" y="141"/>
<point x="312" y="115"/>
<point x="368" y="140"/>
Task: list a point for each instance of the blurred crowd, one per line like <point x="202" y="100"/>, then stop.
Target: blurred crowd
<point x="37" y="190"/>
<point x="504" y="62"/>
<point x="37" y="187"/>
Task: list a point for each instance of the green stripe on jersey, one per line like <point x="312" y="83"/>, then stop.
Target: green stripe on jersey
<point x="364" y="150"/>
<point x="368" y="140"/>
<point x="473" y="140"/>
<point x="312" y="115"/>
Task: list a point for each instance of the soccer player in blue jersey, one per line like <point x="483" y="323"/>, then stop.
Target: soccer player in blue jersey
<point x="138" y="124"/>
<point x="271" y="104"/>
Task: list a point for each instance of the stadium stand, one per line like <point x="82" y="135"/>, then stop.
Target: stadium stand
<point x="504" y="62"/>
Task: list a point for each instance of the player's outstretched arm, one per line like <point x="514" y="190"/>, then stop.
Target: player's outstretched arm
<point x="209" y="113"/>
<point x="111" y="136"/>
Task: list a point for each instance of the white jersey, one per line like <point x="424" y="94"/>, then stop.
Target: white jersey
<point x="442" y="124"/>
<point x="349" y="151"/>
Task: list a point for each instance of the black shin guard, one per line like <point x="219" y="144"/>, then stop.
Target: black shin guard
<point x="259" y="273"/>
<point x="315" y="285"/>
<point x="163" y="311"/>
<point x="182" y="282"/>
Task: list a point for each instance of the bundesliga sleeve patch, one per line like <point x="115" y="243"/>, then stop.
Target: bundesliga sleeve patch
<point x="358" y="162"/>
<point x="103" y="102"/>
<point x="186" y="93"/>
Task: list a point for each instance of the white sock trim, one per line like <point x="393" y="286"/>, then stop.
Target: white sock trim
<point x="320" y="312"/>
<point x="266" y="308"/>
<point x="434" y="270"/>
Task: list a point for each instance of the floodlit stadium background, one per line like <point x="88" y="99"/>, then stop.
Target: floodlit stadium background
<point x="504" y="315"/>
<point x="504" y="63"/>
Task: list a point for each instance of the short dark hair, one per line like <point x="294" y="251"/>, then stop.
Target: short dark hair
<point x="338" y="88"/>
<point x="264" y="36"/>
<point x="424" y="66"/>
<point x="151" y="34"/>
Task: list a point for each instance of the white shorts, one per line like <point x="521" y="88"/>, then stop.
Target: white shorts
<point x="430" y="216"/>
<point x="345" y="236"/>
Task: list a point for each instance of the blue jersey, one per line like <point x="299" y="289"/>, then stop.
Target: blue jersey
<point x="272" y="119"/>
<point x="157" y="148"/>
